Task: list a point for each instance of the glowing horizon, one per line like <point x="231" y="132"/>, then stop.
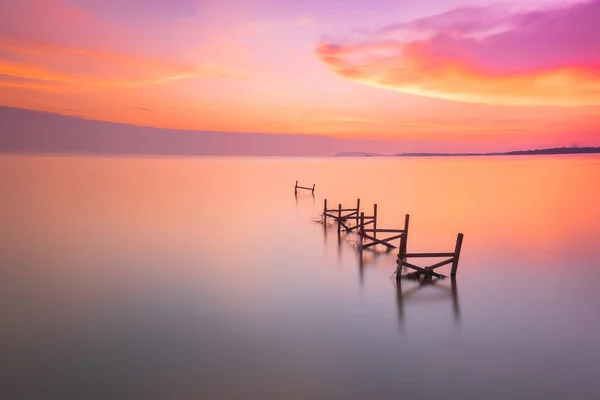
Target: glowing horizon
<point x="461" y="71"/>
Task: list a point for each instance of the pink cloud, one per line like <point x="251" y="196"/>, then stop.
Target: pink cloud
<point x="485" y="55"/>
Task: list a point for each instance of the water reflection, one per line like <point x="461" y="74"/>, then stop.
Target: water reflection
<point x="410" y="291"/>
<point x="137" y="283"/>
<point x="304" y="195"/>
<point x="366" y="257"/>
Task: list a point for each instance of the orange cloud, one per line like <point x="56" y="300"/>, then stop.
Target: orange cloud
<point x="517" y="60"/>
<point x="416" y="71"/>
<point x="45" y="62"/>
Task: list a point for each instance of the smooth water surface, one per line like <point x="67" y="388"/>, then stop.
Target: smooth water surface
<point x="129" y="278"/>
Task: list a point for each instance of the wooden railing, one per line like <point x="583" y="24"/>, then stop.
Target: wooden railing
<point x="312" y="189"/>
<point x="428" y="272"/>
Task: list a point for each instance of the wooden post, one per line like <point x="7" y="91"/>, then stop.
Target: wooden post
<point x="360" y="229"/>
<point x="339" y="218"/>
<point x="459" y="240"/>
<point x="296" y="188"/>
<point x="325" y="212"/>
<point x="313" y="189"/>
<point x="401" y="256"/>
<point x="375" y="220"/>
<point x="406" y="222"/>
<point x="357" y="210"/>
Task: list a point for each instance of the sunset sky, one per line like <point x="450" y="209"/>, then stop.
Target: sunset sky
<point x="487" y="75"/>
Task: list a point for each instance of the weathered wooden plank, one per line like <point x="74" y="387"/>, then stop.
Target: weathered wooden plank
<point x="427" y="271"/>
<point x="375" y="241"/>
<point x="385" y="230"/>
<point x="442" y="263"/>
<point x="425" y="255"/>
<point x="391" y="238"/>
<point x="412" y="266"/>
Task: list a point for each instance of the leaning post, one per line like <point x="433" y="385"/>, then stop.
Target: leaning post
<point x="357" y="210"/>
<point x="459" y="240"/>
<point x="313" y="189"/>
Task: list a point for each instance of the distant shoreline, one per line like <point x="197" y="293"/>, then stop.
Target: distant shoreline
<point x="550" y="151"/>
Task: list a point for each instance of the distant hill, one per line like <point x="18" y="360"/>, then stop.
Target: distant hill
<point x="357" y="154"/>
<point x="34" y="132"/>
<point x="555" y="150"/>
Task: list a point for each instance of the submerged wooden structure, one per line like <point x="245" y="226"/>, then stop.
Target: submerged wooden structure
<point x="303" y="187"/>
<point x="370" y="234"/>
<point x="428" y="272"/>
<point x="367" y="235"/>
<point x="367" y="231"/>
<point x="342" y="215"/>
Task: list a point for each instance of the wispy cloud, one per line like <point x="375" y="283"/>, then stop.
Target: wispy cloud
<point x="48" y="63"/>
<point x="485" y="55"/>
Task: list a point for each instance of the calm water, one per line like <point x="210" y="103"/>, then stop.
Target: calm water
<point x="207" y="278"/>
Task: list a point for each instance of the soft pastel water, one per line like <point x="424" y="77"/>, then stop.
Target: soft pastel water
<point x="133" y="278"/>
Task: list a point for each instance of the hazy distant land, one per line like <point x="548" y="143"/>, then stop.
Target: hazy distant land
<point x="33" y="132"/>
<point x="554" y="150"/>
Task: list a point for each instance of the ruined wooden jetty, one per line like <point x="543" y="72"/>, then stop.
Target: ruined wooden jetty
<point x="367" y="230"/>
<point x="342" y="215"/>
<point x="367" y="235"/>
<point x="370" y="234"/>
<point x="303" y="187"/>
<point x="428" y="272"/>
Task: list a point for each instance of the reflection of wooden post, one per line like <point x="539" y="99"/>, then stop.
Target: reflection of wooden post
<point x="313" y="189"/>
<point x="459" y="240"/>
<point x="400" y="301"/>
<point x="357" y="210"/>
<point x="374" y="220"/>
<point x="361" y="266"/>
<point x="455" y="304"/>
<point x="325" y="212"/>
<point x="339" y="218"/>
